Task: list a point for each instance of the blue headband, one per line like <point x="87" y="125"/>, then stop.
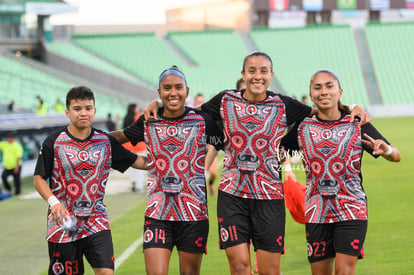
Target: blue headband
<point x="171" y="71"/>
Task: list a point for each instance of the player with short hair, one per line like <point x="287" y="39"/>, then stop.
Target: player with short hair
<point x="71" y="175"/>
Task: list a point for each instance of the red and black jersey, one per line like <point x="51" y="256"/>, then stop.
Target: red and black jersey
<point x="77" y="171"/>
<point x="253" y="132"/>
<point x="176" y="149"/>
<point x="332" y="152"/>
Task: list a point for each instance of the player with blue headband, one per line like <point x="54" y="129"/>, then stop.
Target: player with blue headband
<point x="173" y="70"/>
<point x="176" y="212"/>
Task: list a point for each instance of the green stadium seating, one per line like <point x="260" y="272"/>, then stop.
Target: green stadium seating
<point x="297" y="53"/>
<point x="23" y="83"/>
<point x="77" y="54"/>
<point x="144" y="55"/>
<point x="390" y="46"/>
<point x="217" y="56"/>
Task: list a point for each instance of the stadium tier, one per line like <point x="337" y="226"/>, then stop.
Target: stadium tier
<point x="77" y="54"/>
<point x="391" y="47"/>
<point x="212" y="59"/>
<point x="141" y="54"/>
<point x="22" y="83"/>
<point x="298" y="53"/>
<point x="218" y="58"/>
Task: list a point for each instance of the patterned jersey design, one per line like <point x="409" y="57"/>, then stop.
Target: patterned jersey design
<point x="176" y="180"/>
<point x="253" y="131"/>
<point x="80" y="174"/>
<point x="332" y="157"/>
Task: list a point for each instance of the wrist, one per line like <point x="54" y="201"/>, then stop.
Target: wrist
<point x="52" y="201"/>
<point x="389" y="151"/>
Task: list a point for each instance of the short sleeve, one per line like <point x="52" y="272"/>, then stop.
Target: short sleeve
<point x="122" y="159"/>
<point x="135" y="132"/>
<point x="295" y="110"/>
<point x="212" y="107"/>
<point x="45" y="160"/>
<point x="371" y="131"/>
<point x="214" y="131"/>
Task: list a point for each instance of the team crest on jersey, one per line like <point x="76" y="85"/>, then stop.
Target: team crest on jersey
<point x="326" y="134"/>
<point x="58" y="268"/>
<point x="251" y="109"/>
<point x="224" y="234"/>
<point x="83" y="155"/>
<point x="309" y="249"/>
<point x="148" y="235"/>
<point x="172" y="131"/>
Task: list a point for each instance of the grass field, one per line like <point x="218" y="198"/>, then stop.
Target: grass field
<point x="389" y="247"/>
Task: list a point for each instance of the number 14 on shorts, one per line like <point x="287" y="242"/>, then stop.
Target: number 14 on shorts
<point x="158" y="235"/>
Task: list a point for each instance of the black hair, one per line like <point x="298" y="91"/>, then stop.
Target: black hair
<point x="130" y="115"/>
<point x="80" y="92"/>
<point x="258" y="54"/>
<point x="239" y="82"/>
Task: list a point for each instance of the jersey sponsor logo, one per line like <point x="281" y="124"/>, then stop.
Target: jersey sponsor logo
<point x="199" y="242"/>
<point x="224" y="234"/>
<point x="309" y="249"/>
<point x="355" y="244"/>
<point x="148" y="235"/>
<point x="58" y="268"/>
<point x="279" y="240"/>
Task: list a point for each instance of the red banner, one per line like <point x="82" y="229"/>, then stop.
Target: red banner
<point x="279" y="5"/>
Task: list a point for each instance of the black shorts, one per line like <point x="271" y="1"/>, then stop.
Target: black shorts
<point x="67" y="258"/>
<point x="243" y="220"/>
<point x="325" y="240"/>
<point x="188" y="237"/>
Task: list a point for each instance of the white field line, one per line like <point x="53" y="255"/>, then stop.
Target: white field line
<point x="128" y="252"/>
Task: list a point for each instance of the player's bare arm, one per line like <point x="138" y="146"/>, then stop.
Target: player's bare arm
<point x="151" y="111"/>
<point x="379" y="146"/>
<point x="141" y="163"/>
<point x="57" y="209"/>
<point x="120" y="136"/>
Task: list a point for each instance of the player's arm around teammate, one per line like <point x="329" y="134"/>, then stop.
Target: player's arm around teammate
<point x="176" y="214"/>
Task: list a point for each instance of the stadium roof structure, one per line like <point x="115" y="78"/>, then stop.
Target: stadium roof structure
<point x="39" y="7"/>
<point x="15" y="122"/>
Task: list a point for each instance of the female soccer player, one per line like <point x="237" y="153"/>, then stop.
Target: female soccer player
<point x="250" y="199"/>
<point x="335" y="202"/>
<point x="176" y="211"/>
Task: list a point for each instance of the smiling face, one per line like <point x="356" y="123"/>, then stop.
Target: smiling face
<point x="173" y="93"/>
<point x="257" y="74"/>
<point x="81" y="113"/>
<point x="325" y="90"/>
